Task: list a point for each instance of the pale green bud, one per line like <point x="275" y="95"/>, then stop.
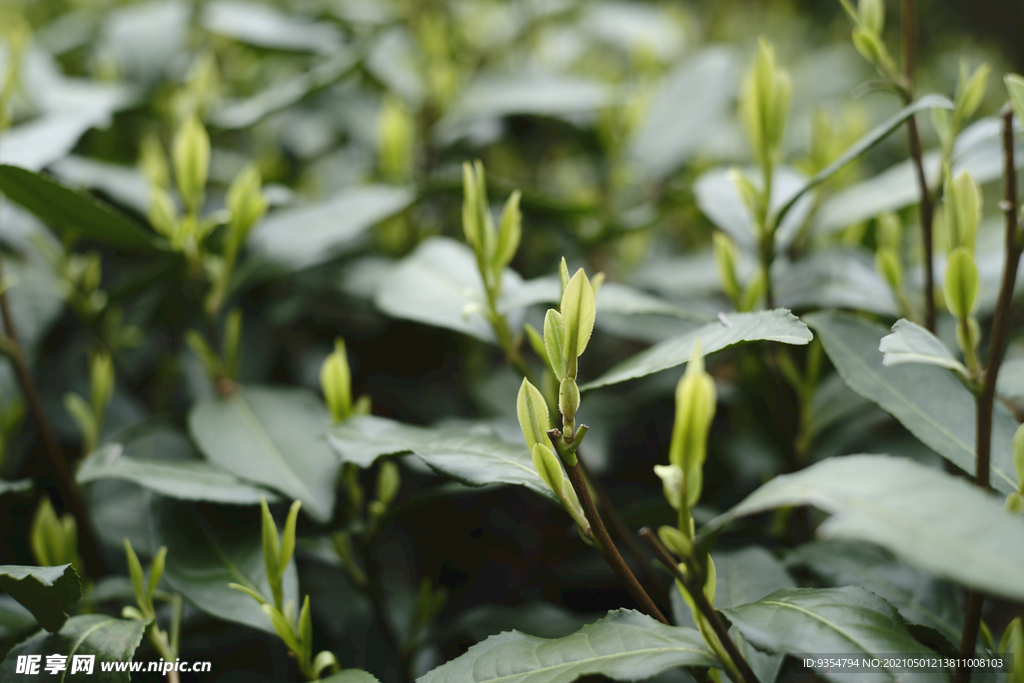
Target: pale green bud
<point x="1014" y="503"/>
<point x="162" y="214"/>
<point x="888" y="265"/>
<point x="889" y="230"/>
<point x="156" y="572"/>
<point x="752" y="293"/>
<point x="961" y="283"/>
<point x="725" y="259"/>
<point x="1018" y="456"/>
<point x="510" y="231"/>
<point x="153" y="162"/>
<point x="305" y="632"/>
<point x="871" y="16"/>
<point x="1015" y="86"/>
<point x="53" y="540"/>
<point x="568" y="398"/>
<point x="748" y="193"/>
<point x="191" y="157"/>
<point x="101" y="380"/>
<point x="138" y="579"/>
<point x="547" y="466"/>
<point x="695" y="408"/>
<point x="336" y="382"/>
<point x="579" y="309"/>
<point x="563" y="274"/>
<point x="676" y="541"/>
<point x="962" y="211"/>
<point x="389" y="481"/>
<point x="325" y="660"/>
<point x="764" y="103"/>
<point x="943" y="123"/>
<point x="554" y="334"/>
<point x="288" y="538"/>
<point x="672" y="482"/>
<point x="271" y="542"/>
<point x="970" y="90"/>
<point x="871" y="47"/>
<point x="533" y="415"/>
<point x="232" y="342"/>
<point x="81" y="412"/>
<point x="93" y="272"/>
<point x="470" y="216"/>
<point x="396" y="133"/>
<point x="246" y="203"/>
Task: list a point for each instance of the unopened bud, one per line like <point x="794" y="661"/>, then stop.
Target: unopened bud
<point x="672" y="482"/>
<point x="246" y="203"/>
<point x="532" y="411"/>
<point x="554" y="332"/>
<point x="725" y="259"/>
<point x="389" y="481"/>
<point x="101" y="380"/>
<point x="695" y="408"/>
<point x="396" y="133"/>
<point x="547" y="466"/>
<point x="961" y="283"/>
<point x="579" y="310"/>
<point x="568" y="398"/>
<point x="871" y="16"/>
<point x="191" y="156"/>
<point x="336" y="382"/>
<point x="676" y="541"/>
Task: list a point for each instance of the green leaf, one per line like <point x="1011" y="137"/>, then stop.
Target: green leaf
<point x="188" y="480"/>
<point x="273" y="437"/>
<point x="439" y="284"/>
<point x="1015" y="86"/>
<point x="47" y="592"/>
<point x="17" y="486"/>
<point x="301" y="236"/>
<point x="922" y="515"/>
<point x="866" y="142"/>
<point x="847" y="620"/>
<point x="624" y="646"/>
<point x="468" y="456"/>
<point x="204" y="555"/>
<point x="919" y="598"/>
<point x="351" y="676"/>
<point x="579" y="309"/>
<point x="71" y="213"/>
<point x="928" y="401"/>
<point x="777" y="325"/>
<point x="911" y="343"/>
<point x="106" y="638"/>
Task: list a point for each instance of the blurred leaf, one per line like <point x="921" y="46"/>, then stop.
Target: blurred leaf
<point x="274" y="437"/>
<point x="467" y="455"/>
<point x="541" y="618"/>
<point x="624" y="646"/>
<point x="47" y="592"/>
<point x="144" y="38"/>
<point x="777" y="325"/>
<point x="919" y="598"/>
<point x="189" y="480"/>
<point x="15" y="622"/>
<point x="439" y="284"/>
<point x="72" y="213"/>
<point x="40" y="142"/>
<point x="205" y="555"/>
<point x="124" y="184"/>
<point x="265" y="26"/>
<point x="106" y="638"/>
<point x="922" y="515"/>
<point x="928" y="401"/>
<point x="847" y="620"/>
<point x="351" y="676"/>
<point x="719" y="200"/>
<point x="677" y="120"/>
<point x="242" y="113"/>
<point x="833" y="278"/>
<point x="301" y="236"/>
<point x="612" y="298"/>
<point x="18" y="486"/>
<point x="1010" y="382"/>
<point x="911" y="343"/>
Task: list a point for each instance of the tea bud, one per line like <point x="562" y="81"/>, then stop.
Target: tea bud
<point x="336" y="382"/>
<point x="970" y="90"/>
<point x="563" y="275"/>
<point x="162" y="214"/>
<point x="961" y="283"/>
<point x="533" y="415"/>
<point x="676" y="541"/>
<point x="101" y="381"/>
<point x="725" y="259"/>
<point x="889" y="229"/>
<point x="396" y="131"/>
<point x="191" y="157"/>
<point x="871" y="16"/>
<point x="510" y="231"/>
<point x="962" y="211"/>
<point x="246" y="203"/>
<point x="547" y="466"/>
<point x="389" y="481"/>
<point x="695" y="408"/>
<point x="764" y="103"/>
<point x="554" y="333"/>
<point x="579" y="309"/>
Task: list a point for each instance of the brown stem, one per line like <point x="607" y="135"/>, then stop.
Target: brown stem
<point x="87" y="544"/>
<point x="623" y="531"/>
<point x="604" y="541"/>
<point x="997" y="345"/>
<point x="697" y="594"/>
<point x="909" y="55"/>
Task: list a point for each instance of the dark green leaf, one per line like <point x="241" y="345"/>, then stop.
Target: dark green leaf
<point x="274" y="437"/>
<point x="204" y="556"/>
<point x="465" y="455"/>
<point x="919" y="598"/>
<point x="47" y="592"/>
<point x="922" y="515"/>
<point x="833" y="621"/>
<point x="72" y="213"/>
<point x="106" y="638"/>
<point x="929" y="401"/>
<point x="624" y="646"/>
<point x="777" y="325"/>
<point x="190" y="480"/>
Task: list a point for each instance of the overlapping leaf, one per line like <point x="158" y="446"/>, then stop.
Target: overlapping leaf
<point x="47" y="592"/>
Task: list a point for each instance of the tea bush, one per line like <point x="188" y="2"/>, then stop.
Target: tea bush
<point x="482" y="341"/>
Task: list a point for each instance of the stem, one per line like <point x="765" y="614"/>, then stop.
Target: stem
<point x="623" y="531"/>
<point x="767" y="237"/>
<point x="701" y="600"/>
<point x="59" y="465"/>
<point x="909" y="42"/>
<point x="604" y="541"/>
<point x="997" y="344"/>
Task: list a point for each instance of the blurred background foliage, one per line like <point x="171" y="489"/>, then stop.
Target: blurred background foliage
<point x="359" y="115"/>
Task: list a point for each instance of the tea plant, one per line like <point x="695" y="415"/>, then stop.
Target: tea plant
<point x="330" y="265"/>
